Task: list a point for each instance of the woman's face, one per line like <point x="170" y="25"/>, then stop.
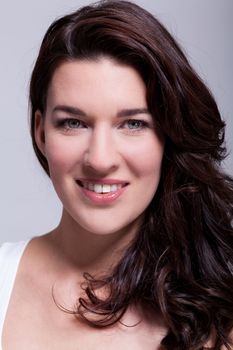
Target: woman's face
<point x="98" y="137"/>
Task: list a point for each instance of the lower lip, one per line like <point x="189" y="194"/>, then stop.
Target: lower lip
<point x="102" y="198"/>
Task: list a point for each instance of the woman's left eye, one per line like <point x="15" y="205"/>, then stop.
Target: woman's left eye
<point x="135" y="124"/>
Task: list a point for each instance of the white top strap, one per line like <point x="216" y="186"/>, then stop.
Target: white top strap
<point x="10" y="254"/>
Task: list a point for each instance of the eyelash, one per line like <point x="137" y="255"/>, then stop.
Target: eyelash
<point x="64" y="124"/>
<point x="143" y="124"/>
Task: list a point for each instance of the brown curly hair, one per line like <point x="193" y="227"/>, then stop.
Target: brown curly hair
<point x="181" y="260"/>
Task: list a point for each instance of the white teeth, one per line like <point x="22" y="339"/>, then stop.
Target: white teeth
<point x="106" y="188"/>
<point x="114" y="188"/>
<point x="99" y="188"/>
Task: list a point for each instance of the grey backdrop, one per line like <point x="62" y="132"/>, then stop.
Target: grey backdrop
<point x="28" y="204"/>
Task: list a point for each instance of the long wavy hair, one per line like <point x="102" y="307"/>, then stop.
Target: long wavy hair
<point x="181" y="260"/>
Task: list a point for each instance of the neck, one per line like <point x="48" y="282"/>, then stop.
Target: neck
<point x="89" y="252"/>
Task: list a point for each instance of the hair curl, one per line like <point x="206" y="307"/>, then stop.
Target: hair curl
<point x="181" y="261"/>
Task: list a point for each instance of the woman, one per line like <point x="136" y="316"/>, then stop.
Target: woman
<point x="132" y="140"/>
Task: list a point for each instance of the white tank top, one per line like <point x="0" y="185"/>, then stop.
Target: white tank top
<point x="10" y="254"/>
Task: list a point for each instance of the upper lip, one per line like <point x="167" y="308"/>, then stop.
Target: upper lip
<point x="103" y="181"/>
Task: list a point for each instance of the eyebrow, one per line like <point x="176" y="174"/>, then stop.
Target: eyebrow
<point x="70" y="110"/>
<point x="127" y="112"/>
<point x="132" y="112"/>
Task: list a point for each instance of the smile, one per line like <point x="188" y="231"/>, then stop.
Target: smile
<point x="102" y="192"/>
<point x="100" y="188"/>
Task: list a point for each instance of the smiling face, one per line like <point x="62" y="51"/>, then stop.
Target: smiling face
<point x="98" y="137"/>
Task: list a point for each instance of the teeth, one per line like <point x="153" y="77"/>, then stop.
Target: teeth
<point x="115" y="188"/>
<point x="106" y="188"/>
<point x="99" y="188"/>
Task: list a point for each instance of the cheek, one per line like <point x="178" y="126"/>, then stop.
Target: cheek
<point x="61" y="155"/>
<point x="146" y="157"/>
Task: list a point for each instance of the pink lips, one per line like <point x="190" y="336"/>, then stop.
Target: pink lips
<point x="102" y="198"/>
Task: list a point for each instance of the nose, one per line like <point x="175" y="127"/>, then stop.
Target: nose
<point x="101" y="156"/>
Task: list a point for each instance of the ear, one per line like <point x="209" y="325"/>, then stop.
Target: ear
<point x="39" y="131"/>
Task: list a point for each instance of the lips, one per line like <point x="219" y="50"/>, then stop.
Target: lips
<point x="102" y="191"/>
<point x="101" y="187"/>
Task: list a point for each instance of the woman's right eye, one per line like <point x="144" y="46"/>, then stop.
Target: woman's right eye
<point x="71" y="123"/>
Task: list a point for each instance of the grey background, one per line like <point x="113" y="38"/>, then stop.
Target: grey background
<point x="28" y="204"/>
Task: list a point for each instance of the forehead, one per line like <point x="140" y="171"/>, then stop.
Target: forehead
<point x="95" y="82"/>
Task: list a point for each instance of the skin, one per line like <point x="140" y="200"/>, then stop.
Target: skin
<point x="102" y="141"/>
<point x="102" y="147"/>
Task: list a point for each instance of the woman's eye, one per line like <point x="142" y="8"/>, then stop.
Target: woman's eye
<point x="135" y="124"/>
<point x="72" y="123"/>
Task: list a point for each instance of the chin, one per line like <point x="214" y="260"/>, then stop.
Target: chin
<point x="105" y="230"/>
<point x="105" y="226"/>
